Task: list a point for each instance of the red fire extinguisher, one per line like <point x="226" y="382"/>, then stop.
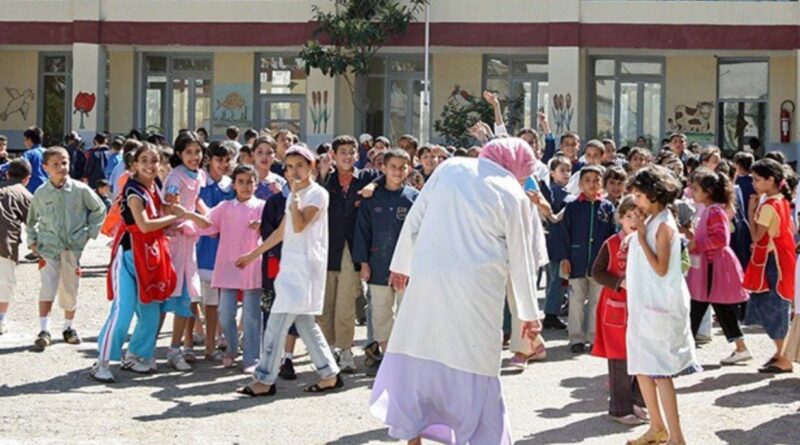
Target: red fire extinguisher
<point x="787" y="109"/>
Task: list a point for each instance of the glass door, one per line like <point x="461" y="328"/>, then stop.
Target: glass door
<point x="405" y="99"/>
<point x="284" y="113"/>
<point x="528" y="98"/>
<point x="639" y="112"/>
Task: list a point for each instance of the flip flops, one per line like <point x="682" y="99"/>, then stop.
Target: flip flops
<point x="772" y="369"/>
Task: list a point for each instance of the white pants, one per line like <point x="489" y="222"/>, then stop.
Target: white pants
<point x="61" y="276"/>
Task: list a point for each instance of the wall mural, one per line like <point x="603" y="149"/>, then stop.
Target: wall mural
<point x="688" y="119"/>
<point x="18" y="102"/>
<point x="233" y="104"/>
<point x="562" y="112"/>
<point x="84" y="104"/>
<point x="319" y="111"/>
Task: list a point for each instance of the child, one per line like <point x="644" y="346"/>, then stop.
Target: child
<point x="659" y="337"/>
<point x="555" y="194"/>
<point x="183" y="186"/>
<point x="140" y="275"/>
<point x="103" y="190"/>
<point x="614" y="183"/>
<point x="588" y="221"/>
<point x="63" y="216"/>
<point x="245" y="155"/>
<point x="625" y="400"/>
<point x="269" y="183"/>
<point x="343" y="283"/>
<point x="15" y="200"/>
<point x="770" y="273"/>
<point x="569" y="145"/>
<point x="593" y="155"/>
<point x="637" y="159"/>
<point x="300" y="284"/>
<point x="715" y="277"/>
<point x="232" y="219"/>
<point x="380" y="220"/>
<point x="218" y="188"/>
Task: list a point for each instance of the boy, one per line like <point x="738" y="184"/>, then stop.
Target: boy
<point x="555" y="194"/>
<point x="614" y="182"/>
<point x="114" y="155"/>
<point x="245" y="154"/>
<point x="15" y="200"/>
<point x="96" y="161"/>
<point x="343" y="284"/>
<point x="569" y="145"/>
<point x="269" y="182"/>
<point x="32" y="139"/>
<point x="103" y="190"/>
<point x="744" y="165"/>
<point x="592" y="155"/>
<point x="3" y="149"/>
<point x="232" y="138"/>
<point x="63" y="216"/>
<point x="380" y="220"/>
<point x="588" y="222"/>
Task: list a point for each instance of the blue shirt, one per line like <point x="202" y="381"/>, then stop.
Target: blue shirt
<point x="212" y="194"/>
<point x="35" y="157"/>
<point x="114" y="159"/>
<point x="587" y="225"/>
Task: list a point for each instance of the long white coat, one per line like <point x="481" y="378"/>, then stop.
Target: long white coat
<point x="468" y="234"/>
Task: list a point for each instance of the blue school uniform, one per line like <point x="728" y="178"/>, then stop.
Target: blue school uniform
<point x="587" y="224"/>
<point x="212" y="194"/>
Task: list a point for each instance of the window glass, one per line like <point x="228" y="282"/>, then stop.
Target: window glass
<point x="155" y="106"/>
<point x="604" y="67"/>
<point x="740" y="122"/>
<point x="529" y="67"/>
<point x="604" y="108"/>
<point x="155" y="64"/>
<point x="640" y="68"/>
<point x="55" y="122"/>
<point x="374" y="105"/>
<point x="191" y="64"/>
<point x="743" y="80"/>
<point x="406" y="66"/>
<point x="496" y="67"/>
<point x="282" y="75"/>
<point x="55" y="64"/>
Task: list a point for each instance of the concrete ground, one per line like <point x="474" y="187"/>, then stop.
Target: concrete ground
<point x="48" y="397"/>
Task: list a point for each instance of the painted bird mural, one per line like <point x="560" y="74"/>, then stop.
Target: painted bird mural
<point x="19" y="103"/>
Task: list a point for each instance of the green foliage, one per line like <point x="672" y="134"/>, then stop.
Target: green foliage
<point x="458" y="116"/>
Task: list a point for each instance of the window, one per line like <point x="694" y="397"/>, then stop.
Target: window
<point x="54" y="104"/>
<point x="522" y="86"/>
<point x="282" y="83"/>
<point x="392" y="97"/>
<point x="177" y="93"/>
<point x="627" y="100"/>
<point x="743" y="95"/>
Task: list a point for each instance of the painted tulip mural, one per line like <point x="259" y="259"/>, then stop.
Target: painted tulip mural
<point x="84" y="104"/>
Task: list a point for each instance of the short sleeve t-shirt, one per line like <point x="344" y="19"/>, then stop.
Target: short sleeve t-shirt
<point x="314" y="238"/>
<point x="769" y="219"/>
<point x="132" y="188"/>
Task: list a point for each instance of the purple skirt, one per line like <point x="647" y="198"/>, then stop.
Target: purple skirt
<point x="417" y="397"/>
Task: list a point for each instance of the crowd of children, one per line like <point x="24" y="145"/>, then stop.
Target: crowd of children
<point x="642" y="242"/>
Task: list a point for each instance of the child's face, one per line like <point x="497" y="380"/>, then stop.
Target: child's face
<point x="245" y="158"/>
<point x="57" y="168"/>
<point x="297" y="168"/>
<point x="677" y="167"/>
<point x="764" y="185"/>
<point x="192" y="156"/>
<point x="379" y="147"/>
<point x="148" y="166"/>
<point x="346" y="157"/>
<point x="593" y="155"/>
<point x="396" y="171"/>
<point x="263" y="156"/>
<point x="642" y="202"/>
<point x="561" y="174"/>
<point x="609" y="153"/>
<point x="219" y="166"/>
<point x="699" y="195"/>
<point x="591" y="184"/>
<point x="637" y="162"/>
<point x="103" y="190"/>
<point x="615" y="188"/>
<point x="244" y="185"/>
<point x="570" y="147"/>
<point x="629" y="219"/>
<point x="712" y="162"/>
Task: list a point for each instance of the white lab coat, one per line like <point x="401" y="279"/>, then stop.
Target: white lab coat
<point x="659" y="336"/>
<point x="469" y="232"/>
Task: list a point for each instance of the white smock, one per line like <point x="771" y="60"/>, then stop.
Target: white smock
<point x="300" y="284"/>
<point x="467" y="235"/>
<point x="659" y="337"/>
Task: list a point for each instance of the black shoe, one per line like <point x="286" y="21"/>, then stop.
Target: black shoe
<point x="71" y="337"/>
<point x="372" y="371"/>
<point x="577" y="348"/>
<point x="553" y="322"/>
<point x="287" y="370"/>
<point x="372" y="354"/>
<point x="43" y="340"/>
<point x="32" y="257"/>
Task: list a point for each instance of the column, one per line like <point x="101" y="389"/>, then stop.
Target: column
<point x="88" y="89"/>
<point x="564" y="66"/>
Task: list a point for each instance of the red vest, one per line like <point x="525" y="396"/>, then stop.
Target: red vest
<point x="155" y="275"/>
<point x="755" y="278"/>
<point x="612" y="308"/>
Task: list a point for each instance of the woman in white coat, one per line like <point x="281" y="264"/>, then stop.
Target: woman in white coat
<point x="467" y="236"/>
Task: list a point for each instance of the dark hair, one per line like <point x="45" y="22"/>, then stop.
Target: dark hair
<point x="54" y="151"/>
<point x="396" y="153"/>
<point x="100" y="138"/>
<point x="244" y="169"/>
<point x="202" y="131"/>
<point x="184" y="140"/>
<point x="460" y="153"/>
<point x="676" y="135"/>
<point x="157" y="139"/>
<point x="725" y="167"/>
<point x="266" y="139"/>
<point x="770" y="168"/>
<point x="594" y="143"/>
<point x="232" y="132"/>
<point x="102" y="183"/>
<point x="569" y="134"/>
<point x="383" y="140"/>
<point x="4" y="138"/>
<point x="706" y="153"/>
<point x="657" y="183"/>
<point x="19" y="169"/>
<point x="35" y="134"/>
<point x="323" y="148"/>
<point x="744" y="160"/>
<point x="245" y="149"/>
<point x="135" y="134"/>
<point x="130" y="145"/>
<point x="217" y="149"/>
<point x="250" y="133"/>
<point x="559" y="160"/>
<point x="424" y="149"/>
<point x="718" y="187"/>
<point x="615" y="172"/>
<point x="117" y="143"/>
<point x="611" y="143"/>
<point x="410" y="138"/>
<point x="626" y="204"/>
<point x="776" y="156"/>
<point x="145" y="146"/>
<point x="530" y="131"/>
<point x="638" y="151"/>
<point x="600" y="171"/>
<point x="342" y="141"/>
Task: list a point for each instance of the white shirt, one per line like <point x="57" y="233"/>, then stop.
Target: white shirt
<point x="469" y="233"/>
<point x="300" y="284"/>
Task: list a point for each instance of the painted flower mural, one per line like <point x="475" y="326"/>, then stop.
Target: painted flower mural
<point x="84" y="104"/>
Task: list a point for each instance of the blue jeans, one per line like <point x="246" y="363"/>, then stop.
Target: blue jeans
<point x="126" y="303"/>
<point x="554" y="297"/>
<point x="772" y="310"/>
<point x="251" y="319"/>
<point x="274" y="338"/>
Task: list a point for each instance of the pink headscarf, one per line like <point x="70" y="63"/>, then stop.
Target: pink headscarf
<point x="513" y="154"/>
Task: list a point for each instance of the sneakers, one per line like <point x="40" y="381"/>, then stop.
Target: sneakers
<point x="347" y="362"/>
<point x="553" y="322"/>
<point x="736" y="357"/>
<point x="71" y="337"/>
<point x="102" y="373"/>
<point x="176" y="360"/>
<point x="138" y="364"/>
<point x="43" y="340"/>
<point x="287" y="370"/>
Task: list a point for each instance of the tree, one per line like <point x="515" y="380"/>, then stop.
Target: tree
<point x="347" y="39"/>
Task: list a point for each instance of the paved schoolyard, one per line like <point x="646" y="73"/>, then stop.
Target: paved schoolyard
<point x="49" y="398"/>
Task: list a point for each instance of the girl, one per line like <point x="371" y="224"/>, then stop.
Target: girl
<point x="609" y="270"/>
<point x="268" y="183"/>
<point x="233" y="221"/>
<point x="659" y="337"/>
<point x="430" y="157"/>
<point x="140" y="274"/>
<point x="183" y="186"/>
<point x="770" y="273"/>
<point x="637" y="159"/>
<point x="715" y="276"/>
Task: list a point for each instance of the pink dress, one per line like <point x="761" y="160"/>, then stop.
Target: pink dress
<point x="183" y="237"/>
<point x="712" y="253"/>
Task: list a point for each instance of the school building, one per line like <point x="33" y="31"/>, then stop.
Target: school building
<point x="720" y="71"/>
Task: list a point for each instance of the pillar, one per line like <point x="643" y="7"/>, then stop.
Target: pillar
<point x="88" y="89"/>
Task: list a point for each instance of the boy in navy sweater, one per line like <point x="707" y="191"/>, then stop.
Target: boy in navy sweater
<point x="588" y="222"/>
<point x="378" y="226"/>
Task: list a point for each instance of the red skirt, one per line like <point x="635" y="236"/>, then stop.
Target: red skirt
<point x="611" y="323"/>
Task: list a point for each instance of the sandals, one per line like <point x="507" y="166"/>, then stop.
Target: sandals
<point x="215" y="356"/>
<point x="655" y="438"/>
<point x="248" y="391"/>
<point x="774" y="369"/>
<point x="315" y="388"/>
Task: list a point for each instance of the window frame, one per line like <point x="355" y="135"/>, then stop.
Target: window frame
<point x="511" y="78"/>
<point x="41" y="73"/>
<point x="719" y="137"/>
<point x="259" y="100"/>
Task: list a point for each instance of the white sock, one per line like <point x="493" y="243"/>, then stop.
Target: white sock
<point x="288" y="355"/>
<point x="67" y="324"/>
<point x="44" y="323"/>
